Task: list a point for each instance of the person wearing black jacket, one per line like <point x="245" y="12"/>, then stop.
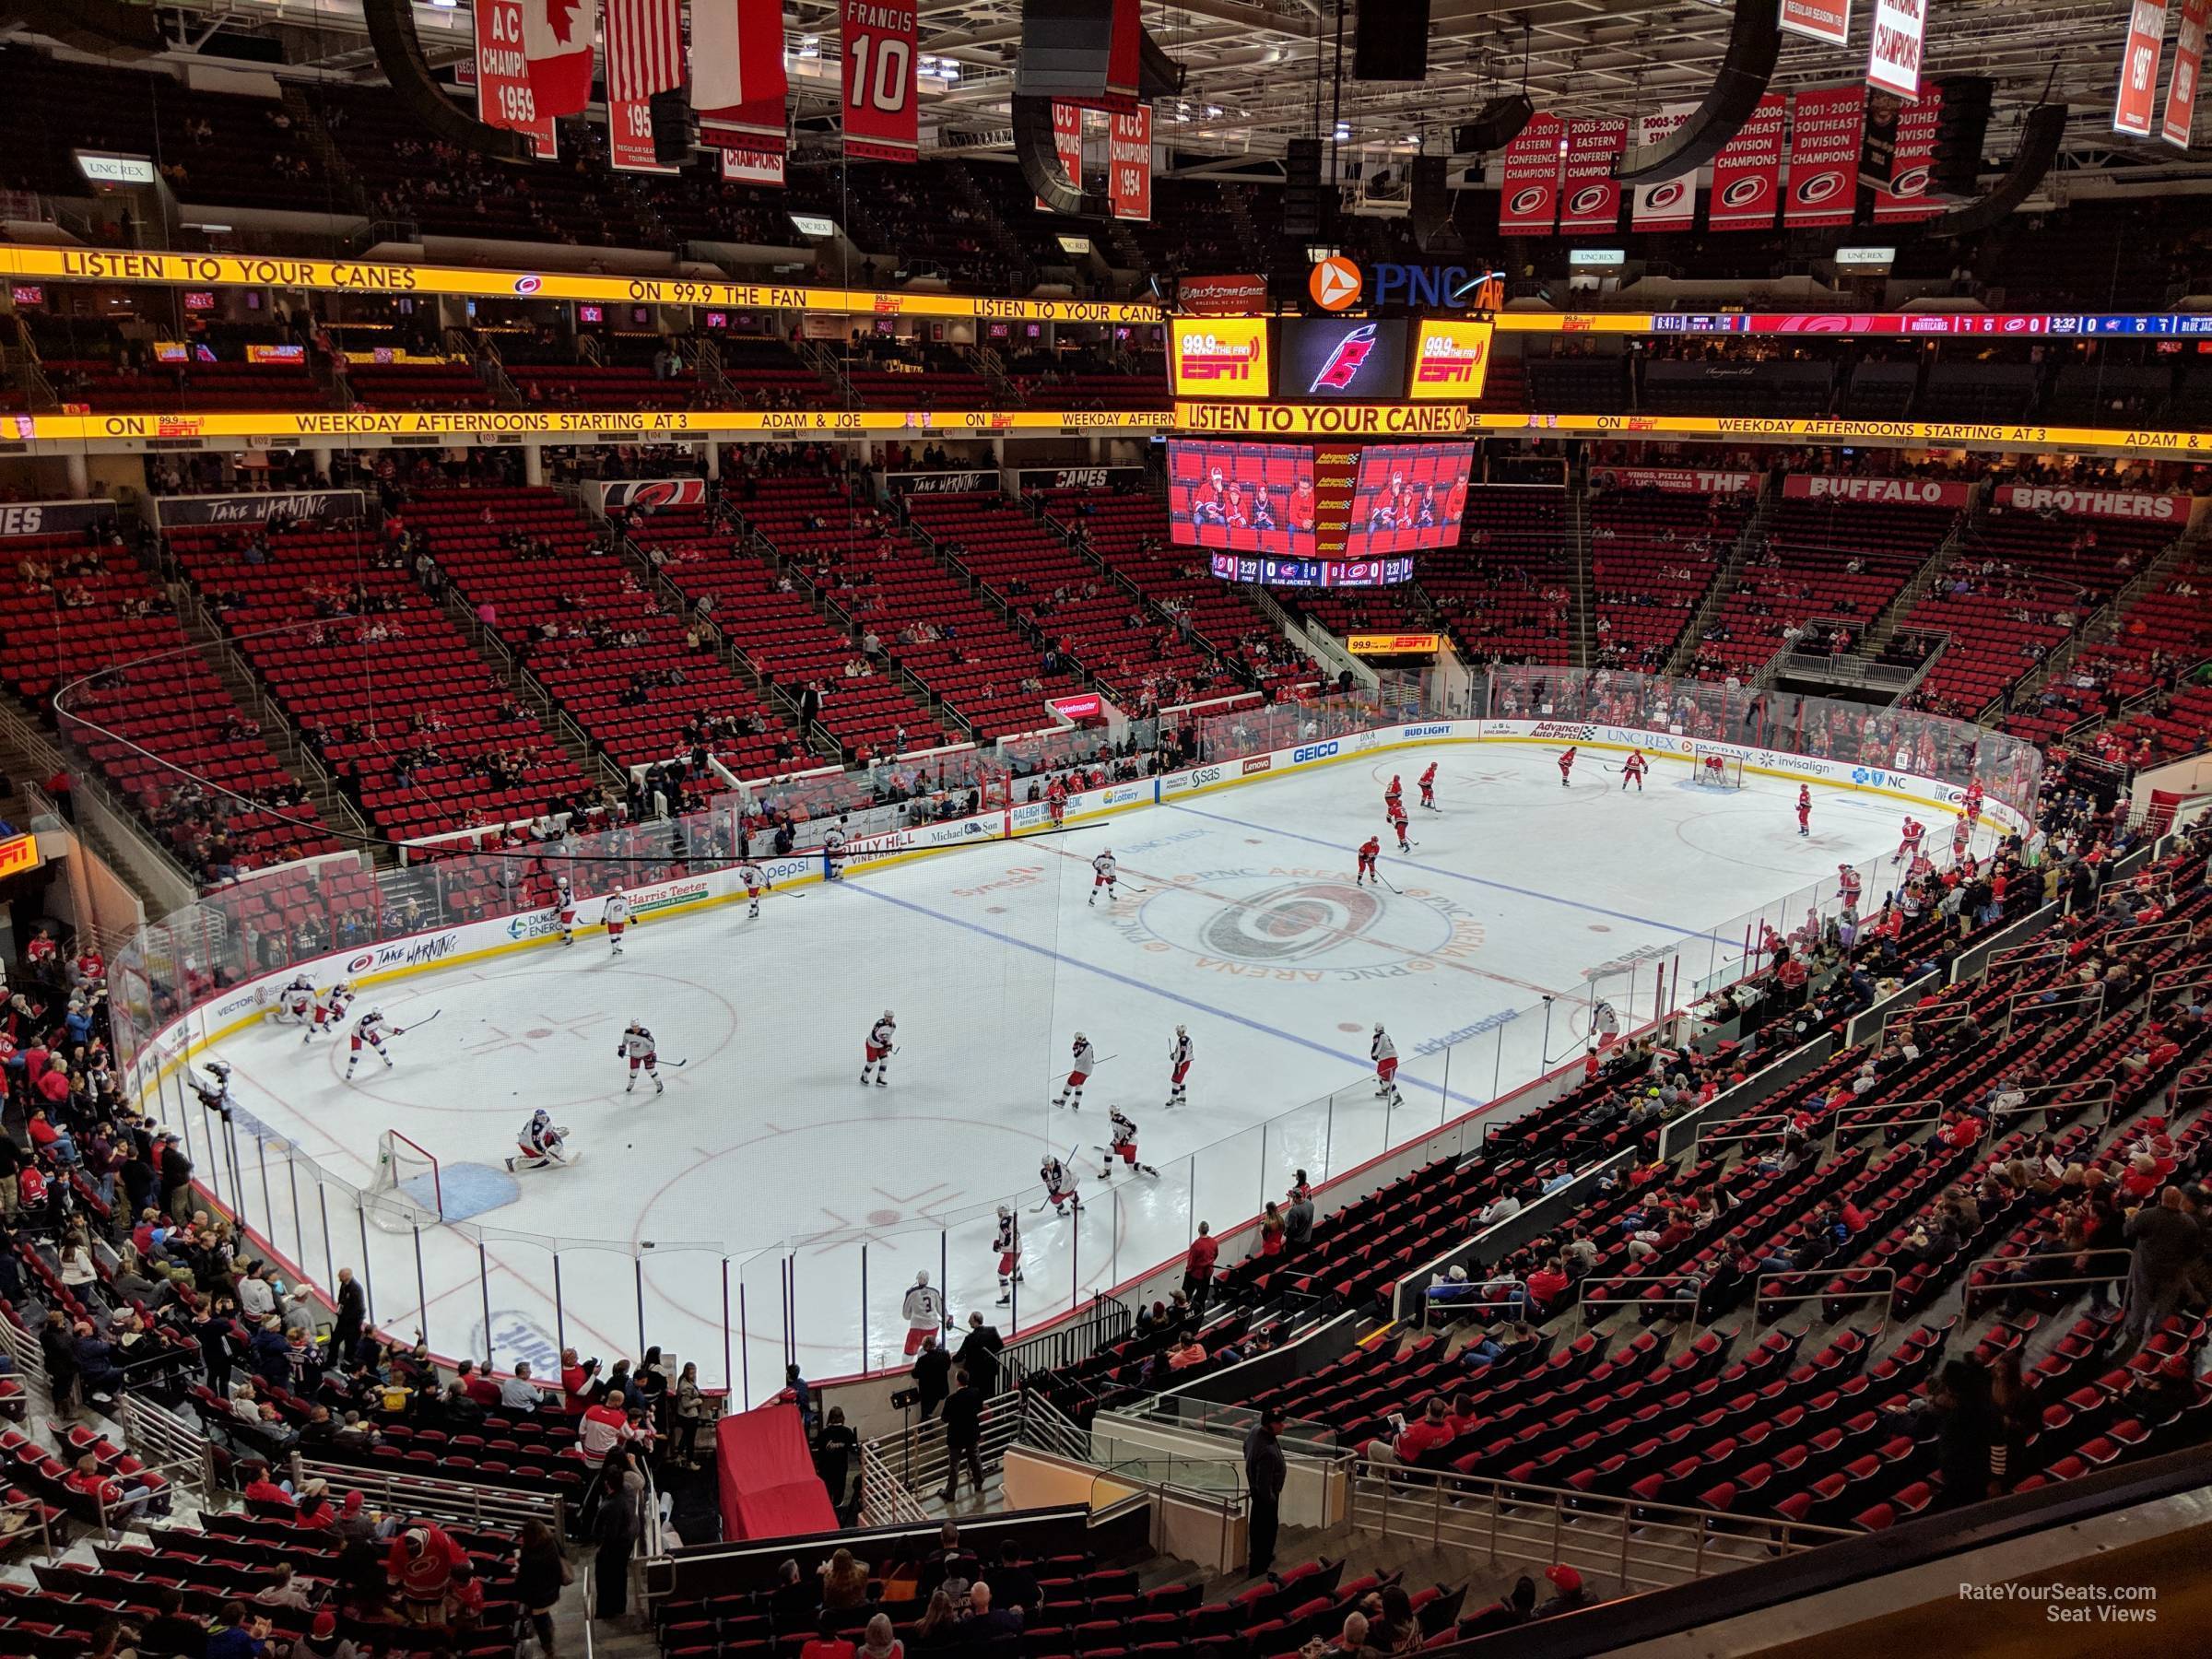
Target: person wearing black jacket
<point x="933" y="1366"/>
<point x="352" y="1309"/>
<point x="1265" y="1472"/>
<point x="978" y="1355"/>
<point x="963" y="1436"/>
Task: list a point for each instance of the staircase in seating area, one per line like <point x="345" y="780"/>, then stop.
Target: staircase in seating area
<point x="1875" y="639"/>
<point x="1753" y="535"/>
<point x="1584" y="609"/>
<point x="972" y="195"/>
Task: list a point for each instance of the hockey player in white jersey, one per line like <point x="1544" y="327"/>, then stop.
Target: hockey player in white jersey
<point x="924" y="1311"/>
<point x="756" y="882"/>
<point x="1124" y="1147"/>
<point x="882" y="1036"/>
<point x="1059" y="1185"/>
<point x="833" y="853"/>
<point x="564" y="905"/>
<point x="617" y="917"/>
<point x="636" y="1046"/>
<point x="330" y="1009"/>
<point x="1179" y="1067"/>
<point x="1008" y="1245"/>
<point x="1384" y="1052"/>
<point x="1103" y="868"/>
<point x="369" y="1031"/>
<point x="296" y="1002"/>
<point x="1086" y="1061"/>
<point x="539" y="1146"/>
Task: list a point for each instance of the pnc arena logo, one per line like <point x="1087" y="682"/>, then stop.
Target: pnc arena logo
<point x="1345" y="362"/>
<point x="1209" y="358"/>
<point x="1335" y="282"/>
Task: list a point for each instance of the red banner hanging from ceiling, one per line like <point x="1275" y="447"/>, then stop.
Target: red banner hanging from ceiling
<point x="1528" y="200"/>
<point x="1907" y="198"/>
<point x="503" y="97"/>
<point x="2180" y="124"/>
<point x="1129" y="162"/>
<point x="2138" y="94"/>
<point x="1825" y="124"/>
<point x="882" y="122"/>
<point x="1746" y="174"/>
<point x="1589" y="193"/>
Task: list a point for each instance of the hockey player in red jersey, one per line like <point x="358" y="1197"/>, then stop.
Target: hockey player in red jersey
<point x="1397" y="822"/>
<point x="1429" y="787"/>
<point x="1370" y="850"/>
<point x="1633" y="769"/>
<point x="1908" y="843"/>
<point x="1056" y="801"/>
<point x="1805" y="809"/>
<point x="1393" y="795"/>
<point x="1565" y="765"/>
<point x="1847" y="886"/>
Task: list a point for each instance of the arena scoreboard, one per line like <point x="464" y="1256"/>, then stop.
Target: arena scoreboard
<point x="1329" y="359"/>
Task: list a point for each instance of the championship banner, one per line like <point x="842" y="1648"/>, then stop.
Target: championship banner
<point x="1068" y="146"/>
<point x="1129" y="162"/>
<point x="1671" y="204"/>
<point x="744" y="165"/>
<point x="1907" y="198"/>
<point x="503" y="96"/>
<point x="1746" y="174"/>
<point x="1826" y="20"/>
<point x="1824" y="157"/>
<point x="630" y="136"/>
<point x="1894" y="492"/>
<point x="1900" y="32"/>
<point x="881" y="118"/>
<point x="1674" y="480"/>
<point x="2056" y="502"/>
<point x="1528" y="197"/>
<point x="2138" y="93"/>
<point x="2180" y="124"/>
<point x="1589" y="193"/>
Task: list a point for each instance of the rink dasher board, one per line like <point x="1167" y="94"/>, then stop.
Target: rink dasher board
<point x="467" y="942"/>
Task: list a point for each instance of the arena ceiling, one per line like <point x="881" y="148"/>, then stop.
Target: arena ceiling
<point x="1251" y="65"/>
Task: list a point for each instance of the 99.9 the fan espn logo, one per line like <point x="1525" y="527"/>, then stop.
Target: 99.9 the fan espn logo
<point x="1447" y="360"/>
<point x="1209" y="358"/>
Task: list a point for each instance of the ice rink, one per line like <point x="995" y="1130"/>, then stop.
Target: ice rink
<point x="1240" y="920"/>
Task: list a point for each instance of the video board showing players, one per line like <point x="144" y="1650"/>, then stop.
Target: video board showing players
<point x="1408" y="496"/>
<point x="1246" y="498"/>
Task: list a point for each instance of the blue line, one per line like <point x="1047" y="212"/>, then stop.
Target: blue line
<point x="1136" y="984"/>
<point x="1502" y="887"/>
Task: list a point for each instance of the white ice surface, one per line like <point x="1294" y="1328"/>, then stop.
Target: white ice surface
<point x="766" y="1149"/>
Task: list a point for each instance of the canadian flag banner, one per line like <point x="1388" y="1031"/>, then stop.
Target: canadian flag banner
<point x="737" y="81"/>
<point x="557" y="45"/>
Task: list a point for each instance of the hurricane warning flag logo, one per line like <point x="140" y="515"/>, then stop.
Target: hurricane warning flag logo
<point x="1344" y="364"/>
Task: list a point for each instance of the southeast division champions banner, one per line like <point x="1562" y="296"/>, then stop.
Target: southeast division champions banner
<point x="1589" y="193"/>
<point x="1129" y="162"/>
<point x="1824" y="157"/>
<point x="1671" y="204"/>
<point x="1746" y="174"/>
<point x="1528" y="199"/>
<point x="1907" y="198"/>
<point x="882" y="122"/>
<point x="503" y="96"/>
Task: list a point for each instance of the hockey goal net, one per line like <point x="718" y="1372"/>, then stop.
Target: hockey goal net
<point x="405" y="1194"/>
<point x="1714" y="770"/>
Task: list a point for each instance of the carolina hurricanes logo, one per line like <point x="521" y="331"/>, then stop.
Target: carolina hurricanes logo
<point x="1747" y="192"/>
<point x="1588" y="199"/>
<point x="1527" y="201"/>
<point x="1664" y="196"/>
<point x="1285" y="924"/>
<point x="1812" y="192"/>
<point x="1909" y="183"/>
<point x="528" y="285"/>
<point x="1343" y="367"/>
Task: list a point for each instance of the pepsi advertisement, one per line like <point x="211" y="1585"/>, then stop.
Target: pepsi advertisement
<point x="1353" y="358"/>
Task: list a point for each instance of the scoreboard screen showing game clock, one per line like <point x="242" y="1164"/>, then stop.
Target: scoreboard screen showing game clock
<point x="1330" y="514"/>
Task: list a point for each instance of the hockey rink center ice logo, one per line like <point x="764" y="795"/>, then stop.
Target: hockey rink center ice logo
<point x="1302" y="924"/>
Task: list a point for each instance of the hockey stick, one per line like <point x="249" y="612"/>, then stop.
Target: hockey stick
<point x="417" y="1026"/>
<point x="1390" y="884"/>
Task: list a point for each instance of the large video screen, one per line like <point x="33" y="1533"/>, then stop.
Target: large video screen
<point x="1247" y="498"/>
<point x="1343" y="358"/>
<point x="1408" y="496"/>
<point x="1218" y="357"/>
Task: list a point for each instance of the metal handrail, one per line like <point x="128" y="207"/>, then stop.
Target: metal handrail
<point x="1760" y="1297"/>
<point x="1970" y="1290"/>
<point x="1645" y="1545"/>
<point x="2090" y="997"/>
<point x="1583" y="1300"/>
<point x="437" y="1498"/>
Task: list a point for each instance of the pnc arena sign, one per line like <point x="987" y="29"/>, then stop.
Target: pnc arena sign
<point x="1335" y="284"/>
<point x="1221" y="357"/>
